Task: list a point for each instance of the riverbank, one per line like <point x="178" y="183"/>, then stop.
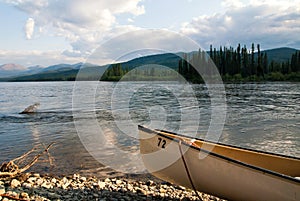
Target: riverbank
<point x="33" y="186"/>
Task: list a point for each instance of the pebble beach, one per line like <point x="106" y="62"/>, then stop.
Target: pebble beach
<point x="33" y="186"/>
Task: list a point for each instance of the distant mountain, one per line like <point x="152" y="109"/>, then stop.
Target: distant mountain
<point x="58" y="67"/>
<point x="35" y="67"/>
<point x="62" y="72"/>
<point x="11" y="69"/>
<point x="32" y="70"/>
<point x="168" y="59"/>
<point x="90" y="71"/>
<point x="66" y="67"/>
<point x="20" y="71"/>
<point x="280" y="54"/>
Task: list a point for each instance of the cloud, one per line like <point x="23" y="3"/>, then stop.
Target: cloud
<point x="232" y="3"/>
<point x="140" y="42"/>
<point x="29" y="28"/>
<point x="30" y="58"/>
<point x="265" y="22"/>
<point x="81" y="22"/>
<point x="85" y="24"/>
<point x="119" y="45"/>
<point x="130" y="20"/>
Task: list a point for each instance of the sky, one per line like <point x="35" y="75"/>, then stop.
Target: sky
<point x="47" y="32"/>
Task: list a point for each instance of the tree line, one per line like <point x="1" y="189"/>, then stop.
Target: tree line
<point x="114" y="72"/>
<point x="148" y="72"/>
<point x="234" y="65"/>
<point x="240" y="64"/>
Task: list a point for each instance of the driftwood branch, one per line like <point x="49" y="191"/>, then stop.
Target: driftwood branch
<point x="50" y="158"/>
<point x="12" y="197"/>
<point x="24" y="155"/>
<point x="10" y="169"/>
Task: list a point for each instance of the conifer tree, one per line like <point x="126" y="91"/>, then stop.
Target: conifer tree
<point x="252" y="60"/>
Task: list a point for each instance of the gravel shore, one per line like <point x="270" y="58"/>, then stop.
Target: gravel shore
<point x="32" y="186"/>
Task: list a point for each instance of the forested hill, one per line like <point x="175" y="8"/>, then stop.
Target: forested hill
<point x="279" y="57"/>
<point x="168" y="59"/>
<point x="234" y="64"/>
<point x="243" y="64"/>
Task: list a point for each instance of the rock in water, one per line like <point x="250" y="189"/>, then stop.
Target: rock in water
<point x="30" y="109"/>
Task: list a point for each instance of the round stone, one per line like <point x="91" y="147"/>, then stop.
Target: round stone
<point x="15" y="183"/>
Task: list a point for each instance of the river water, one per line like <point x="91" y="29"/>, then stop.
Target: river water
<point x="264" y="116"/>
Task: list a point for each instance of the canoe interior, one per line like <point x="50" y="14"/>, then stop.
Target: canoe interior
<point x="281" y="164"/>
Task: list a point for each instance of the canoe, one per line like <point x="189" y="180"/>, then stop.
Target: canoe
<point x="226" y="171"/>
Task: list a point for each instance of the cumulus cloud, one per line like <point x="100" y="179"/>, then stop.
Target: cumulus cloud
<point x="140" y="43"/>
<point x="30" y="58"/>
<point x="29" y="28"/>
<point x="82" y="22"/>
<point x="127" y="45"/>
<point x="85" y="24"/>
<point x="232" y="3"/>
<point x="271" y="24"/>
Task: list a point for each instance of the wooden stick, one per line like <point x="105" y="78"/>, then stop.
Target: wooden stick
<point x="50" y="158"/>
<point x="26" y="167"/>
<point x="12" y="197"/>
<point x="34" y="160"/>
<point x="24" y="155"/>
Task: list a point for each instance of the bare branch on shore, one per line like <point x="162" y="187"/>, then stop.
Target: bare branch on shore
<point x="12" y="169"/>
<point x="12" y="197"/>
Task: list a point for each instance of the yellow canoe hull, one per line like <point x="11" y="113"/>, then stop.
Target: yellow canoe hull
<point x="226" y="171"/>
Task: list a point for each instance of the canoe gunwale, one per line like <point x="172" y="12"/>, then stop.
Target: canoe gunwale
<point x="232" y="146"/>
<point x="263" y="170"/>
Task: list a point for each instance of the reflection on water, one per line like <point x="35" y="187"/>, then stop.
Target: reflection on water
<point x="260" y="116"/>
